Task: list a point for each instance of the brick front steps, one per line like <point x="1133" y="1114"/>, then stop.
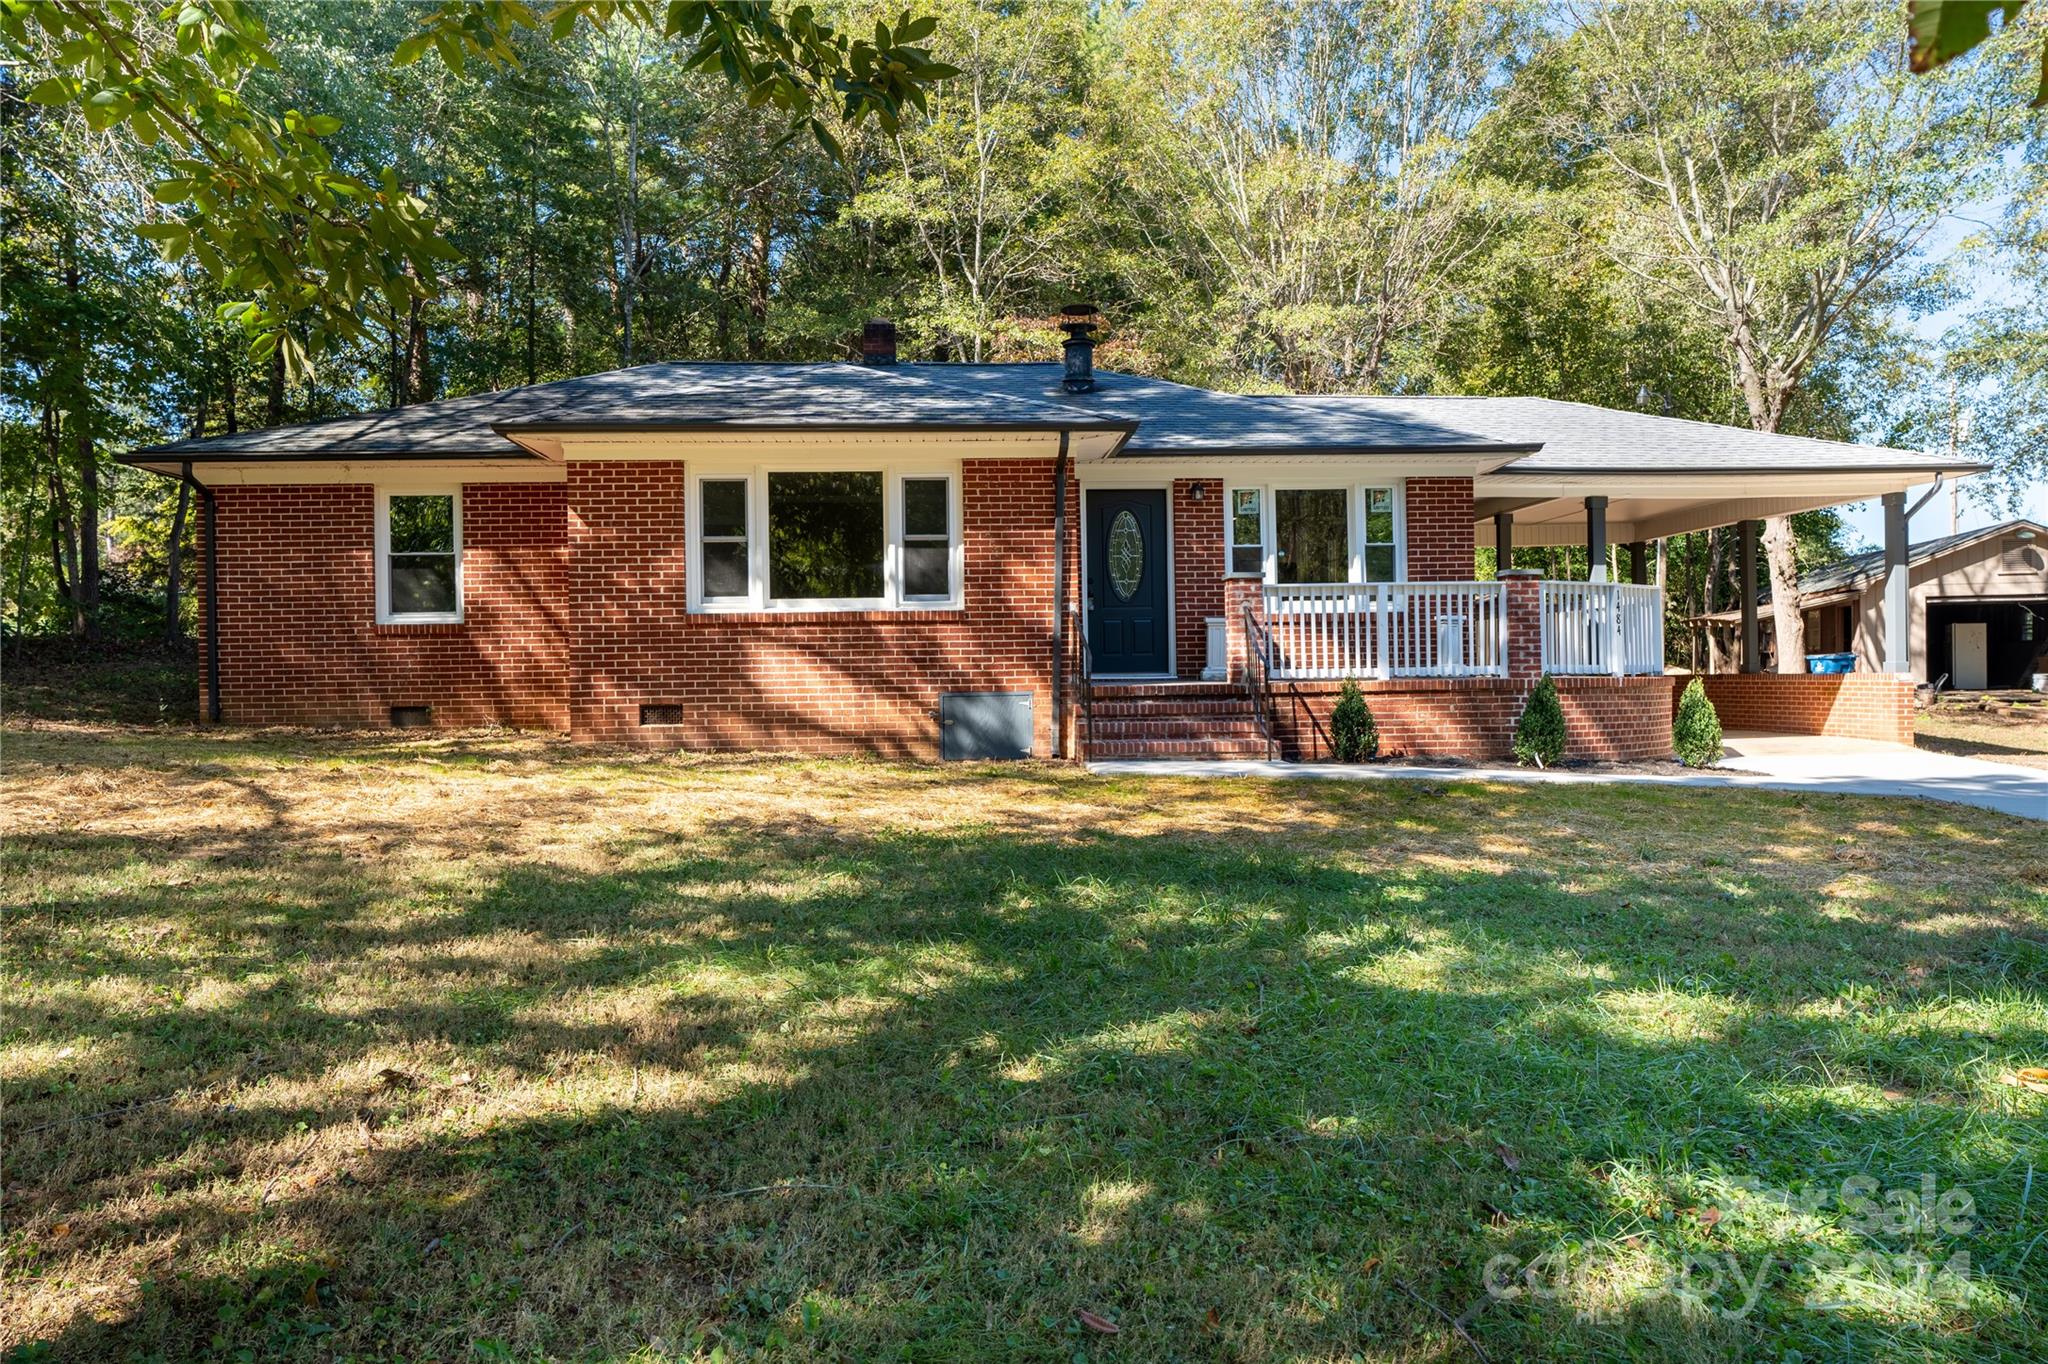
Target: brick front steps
<point x="1174" y="720"/>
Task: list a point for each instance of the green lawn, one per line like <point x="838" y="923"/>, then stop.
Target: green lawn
<point x="488" y="1047"/>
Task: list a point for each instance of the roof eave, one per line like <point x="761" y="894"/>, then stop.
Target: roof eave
<point x="1410" y="448"/>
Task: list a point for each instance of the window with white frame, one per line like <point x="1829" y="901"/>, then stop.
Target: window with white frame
<point x="419" y="557"/>
<point x="1247" y="532"/>
<point x="927" y="539"/>
<point x="825" y="539"/>
<point x="1332" y="534"/>
<point x="1379" y="550"/>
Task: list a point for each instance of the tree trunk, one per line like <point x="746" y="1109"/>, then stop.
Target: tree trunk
<point x="629" y="231"/>
<point x="273" y="412"/>
<point x="1788" y="624"/>
<point x="1710" y="591"/>
<point x="419" y="384"/>
<point x="174" y="627"/>
<point x="532" y="269"/>
<point x="85" y="582"/>
<point x="757" y="289"/>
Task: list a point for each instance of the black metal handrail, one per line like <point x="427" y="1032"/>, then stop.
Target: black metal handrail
<point x="1258" y="643"/>
<point x="1086" y="685"/>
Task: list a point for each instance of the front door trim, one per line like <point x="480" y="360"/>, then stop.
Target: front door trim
<point x="1094" y="485"/>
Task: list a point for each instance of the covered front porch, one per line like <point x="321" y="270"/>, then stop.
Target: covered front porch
<point x="1334" y="631"/>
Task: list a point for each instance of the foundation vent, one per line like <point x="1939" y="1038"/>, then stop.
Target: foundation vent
<point x="412" y="717"/>
<point x="661" y="715"/>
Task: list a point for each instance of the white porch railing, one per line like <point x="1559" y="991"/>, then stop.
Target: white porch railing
<point x="1616" y="629"/>
<point x="1335" y="630"/>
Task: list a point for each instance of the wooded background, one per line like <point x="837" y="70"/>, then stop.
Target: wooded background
<point x="1727" y="211"/>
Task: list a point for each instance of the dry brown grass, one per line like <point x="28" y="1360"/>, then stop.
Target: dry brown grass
<point x="391" y="1045"/>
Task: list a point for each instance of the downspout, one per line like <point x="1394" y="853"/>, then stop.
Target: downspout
<point x="207" y="520"/>
<point x="1932" y="489"/>
<point x="1059" y="599"/>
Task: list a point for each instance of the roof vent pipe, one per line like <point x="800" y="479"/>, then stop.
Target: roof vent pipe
<point x="878" y="342"/>
<point x="1078" y="322"/>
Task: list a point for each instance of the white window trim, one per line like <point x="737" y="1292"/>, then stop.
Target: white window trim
<point x="1355" y="503"/>
<point x="1230" y="544"/>
<point x="385" y="615"/>
<point x="893" y="597"/>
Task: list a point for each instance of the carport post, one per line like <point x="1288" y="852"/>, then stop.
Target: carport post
<point x="1752" y="646"/>
<point x="1638" y="562"/>
<point x="1897" y="623"/>
<point x="1503" y="542"/>
<point x="1596" y="539"/>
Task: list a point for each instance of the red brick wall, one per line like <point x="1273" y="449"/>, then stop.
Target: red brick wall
<point x="1608" y="719"/>
<point x="1844" y="705"/>
<point x="299" y="638"/>
<point x="1198" y="569"/>
<point x="829" y="681"/>
<point x="1440" y="545"/>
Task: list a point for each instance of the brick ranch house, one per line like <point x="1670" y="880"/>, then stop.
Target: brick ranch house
<point x="927" y="560"/>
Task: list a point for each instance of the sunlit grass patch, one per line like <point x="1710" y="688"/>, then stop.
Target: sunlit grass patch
<point x="392" y="1045"/>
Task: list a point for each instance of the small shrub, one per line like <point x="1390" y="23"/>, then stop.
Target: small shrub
<point x="1539" y="734"/>
<point x="1696" y="730"/>
<point x="1353" y="735"/>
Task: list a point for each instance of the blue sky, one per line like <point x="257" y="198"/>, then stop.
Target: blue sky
<point x="1987" y="286"/>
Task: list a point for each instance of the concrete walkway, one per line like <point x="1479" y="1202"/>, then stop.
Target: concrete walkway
<point x="1775" y="762"/>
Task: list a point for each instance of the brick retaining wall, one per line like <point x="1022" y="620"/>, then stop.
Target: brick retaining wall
<point x="1844" y="706"/>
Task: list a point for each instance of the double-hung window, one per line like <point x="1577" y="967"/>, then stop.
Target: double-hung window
<point x="1331" y="534"/>
<point x="419" y="558"/>
<point x="1247" y="532"/>
<point x="825" y="539"/>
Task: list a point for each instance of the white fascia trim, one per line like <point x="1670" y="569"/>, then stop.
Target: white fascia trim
<point x="403" y="475"/>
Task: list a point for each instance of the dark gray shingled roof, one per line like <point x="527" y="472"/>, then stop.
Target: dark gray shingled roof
<point x="1582" y="438"/>
<point x="1182" y="419"/>
<point x="1162" y="418"/>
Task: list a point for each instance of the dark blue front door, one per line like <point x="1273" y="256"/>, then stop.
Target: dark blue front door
<point x="1128" y="618"/>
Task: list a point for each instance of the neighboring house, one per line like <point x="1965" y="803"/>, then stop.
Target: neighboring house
<point x="907" y="558"/>
<point x="1977" y="603"/>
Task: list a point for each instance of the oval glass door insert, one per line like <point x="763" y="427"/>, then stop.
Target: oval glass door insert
<point x="1126" y="555"/>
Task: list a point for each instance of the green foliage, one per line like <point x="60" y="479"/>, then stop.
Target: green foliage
<point x="1539" y="734"/>
<point x="310" y="253"/>
<point x="1696" y="729"/>
<point x="1354" y="737"/>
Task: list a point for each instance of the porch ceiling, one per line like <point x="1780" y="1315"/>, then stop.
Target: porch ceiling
<point x="1552" y="511"/>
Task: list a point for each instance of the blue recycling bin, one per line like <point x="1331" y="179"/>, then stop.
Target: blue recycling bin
<point x="1831" y="663"/>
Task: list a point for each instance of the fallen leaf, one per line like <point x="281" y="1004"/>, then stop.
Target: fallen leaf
<point x="1212" y="1323"/>
<point x="60" y="1231"/>
<point x="2030" y="1077"/>
<point x="1508" y="1158"/>
<point x="1099" y="1324"/>
<point x="390" y="1078"/>
<point x="312" y="1295"/>
<point x="1709" y="1217"/>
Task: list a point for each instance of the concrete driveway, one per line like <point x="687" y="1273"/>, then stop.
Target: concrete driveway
<point x="1863" y="767"/>
<point x="1777" y="762"/>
